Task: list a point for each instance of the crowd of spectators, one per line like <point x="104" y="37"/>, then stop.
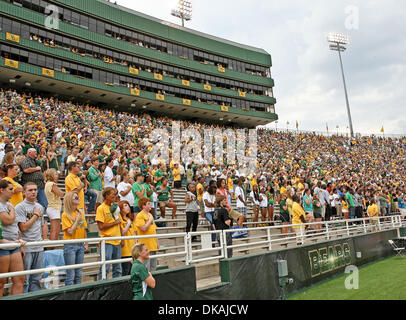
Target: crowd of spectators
<point x="104" y="158"/>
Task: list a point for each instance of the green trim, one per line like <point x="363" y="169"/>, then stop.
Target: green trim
<point x="24" y="67"/>
<point x="129" y="48"/>
<point x="140" y="22"/>
<point x="124" y="71"/>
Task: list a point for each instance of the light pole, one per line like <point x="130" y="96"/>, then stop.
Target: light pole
<point x="337" y="43"/>
<point x="276" y="124"/>
<point x="184" y="11"/>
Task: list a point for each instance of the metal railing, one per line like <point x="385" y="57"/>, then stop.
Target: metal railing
<point x="216" y="247"/>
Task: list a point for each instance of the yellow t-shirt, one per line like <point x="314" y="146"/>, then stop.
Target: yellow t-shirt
<point x="17" y="197"/>
<point x="80" y="232"/>
<point x="176" y="174"/>
<point x="199" y="187"/>
<point x="283" y="190"/>
<point x="104" y="215"/>
<point x="297" y="211"/>
<point x="230" y="184"/>
<point x="71" y="183"/>
<point x="141" y="219"/>
<point x="373" y="211"/>
<point x="53" y="200"/>
<point x="128" y="244"/>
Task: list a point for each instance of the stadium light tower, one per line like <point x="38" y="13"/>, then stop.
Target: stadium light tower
<point x="337" y="43"/>
<point x="184" y="11"/>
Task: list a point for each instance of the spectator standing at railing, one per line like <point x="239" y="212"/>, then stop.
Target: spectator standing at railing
<point x="33" y="228"/>
<point x="402" y="204"/>
<point x="127" y="230"/>
<point x="54" y="195"/>
<point x="299" y="218"/>
<point x="222" y="221"/>
<point x="109" y="225"/>
<point x="10" y="259"/>
<point x="33" y="173"/>
<point x="373" y="212"/>
<point x="11" y="172"/>
<point x="141" y="279"/>
<point x="95" y="179"/>
<point x="145" y="225"/>
<point x="74" y="184"/>
<point x="74" y="227"/>
<point x="192" y="209"/>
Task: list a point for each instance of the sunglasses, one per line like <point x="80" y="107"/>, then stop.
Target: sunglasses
<point x="76" y="198"/>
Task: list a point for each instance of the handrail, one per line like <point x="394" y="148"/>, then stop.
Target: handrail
<point x="329" y="229"/>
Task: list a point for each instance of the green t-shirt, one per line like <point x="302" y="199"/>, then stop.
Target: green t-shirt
<point x="159" y="174"/>
<point x="1" y="231"/>
<point x="350" y="200"/>
<point x="139" y="273"/>
<point x="137" y="188"/>
<point x="147" y="189"/>
<point x="281" y="205"/>
<point x="163" y="195"/>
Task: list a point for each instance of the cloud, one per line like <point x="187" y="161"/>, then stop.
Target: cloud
<point x="308" y="83"/>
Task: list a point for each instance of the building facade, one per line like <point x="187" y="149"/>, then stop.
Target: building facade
<point x="100" y="53"/>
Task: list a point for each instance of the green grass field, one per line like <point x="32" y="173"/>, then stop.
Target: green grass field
<point x="384" y="280"/>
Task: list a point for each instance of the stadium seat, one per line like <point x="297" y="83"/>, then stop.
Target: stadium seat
<point x="398" y="250"/>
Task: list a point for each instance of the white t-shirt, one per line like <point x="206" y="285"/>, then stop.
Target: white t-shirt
<point x="240" y="192"/>
<point x="210" y="198"/>
<point x="123" y="186"/>
<point x="264" y="202"/>
<point x="108" y="176"/>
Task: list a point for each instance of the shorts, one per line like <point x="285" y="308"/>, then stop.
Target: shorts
<point x="243" y="211"/>
<point x="7" y="252"/>
<point x="317" y="215"/>
<point x="309" y="214"/>
<point x="53" y="214"/>
<point x="163" y="203"/>
<point x="284" y="217"/>
<point x="235" y="215"/>
<point x="99" y="196"/>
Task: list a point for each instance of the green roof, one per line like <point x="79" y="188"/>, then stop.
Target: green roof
<point x="166" y="30"/>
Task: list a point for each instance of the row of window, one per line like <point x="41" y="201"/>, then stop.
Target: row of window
<point x="98" y="26"/>
<point x="14" y="53"/>
<point x="29" y="32"/>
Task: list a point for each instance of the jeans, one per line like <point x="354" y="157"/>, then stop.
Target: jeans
<point x="126" y="268"/>
<point x="91" y="198"/>
<point x="73" y="254"/>
<point x="192" y="220"/>
<point x="209" y="217"/>
<point x="112" y="253"/>
<point x="32" y="261"/>
<point x="42" y="199"/>
<point x="352" y="212"/>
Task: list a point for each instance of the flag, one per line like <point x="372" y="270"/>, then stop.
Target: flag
<point x="327" y="127"/>
<point x="297" y="125"/>
<point x="382" y="130"/>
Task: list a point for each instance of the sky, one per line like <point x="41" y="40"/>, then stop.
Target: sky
<point x="308" y="83"/>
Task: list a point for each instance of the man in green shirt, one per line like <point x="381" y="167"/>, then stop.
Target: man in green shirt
<point x="350" y="202"/>
<point x="95" y="179"/>
<point x="139" y="191"/>
<point x="159" y="174"/>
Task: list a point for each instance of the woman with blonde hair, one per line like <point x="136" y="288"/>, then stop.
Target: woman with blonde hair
<point x="11" y="172"/>
<point x="74" y="227"/>
<point x="127" y="230"/>
<point x="54" y="195"/>
<point x="141" y="279"/>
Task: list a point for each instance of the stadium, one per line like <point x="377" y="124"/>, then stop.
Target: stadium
<point x="94" y="94"/>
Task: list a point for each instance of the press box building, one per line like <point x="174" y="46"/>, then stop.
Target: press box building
<point x="100" y="53"/>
